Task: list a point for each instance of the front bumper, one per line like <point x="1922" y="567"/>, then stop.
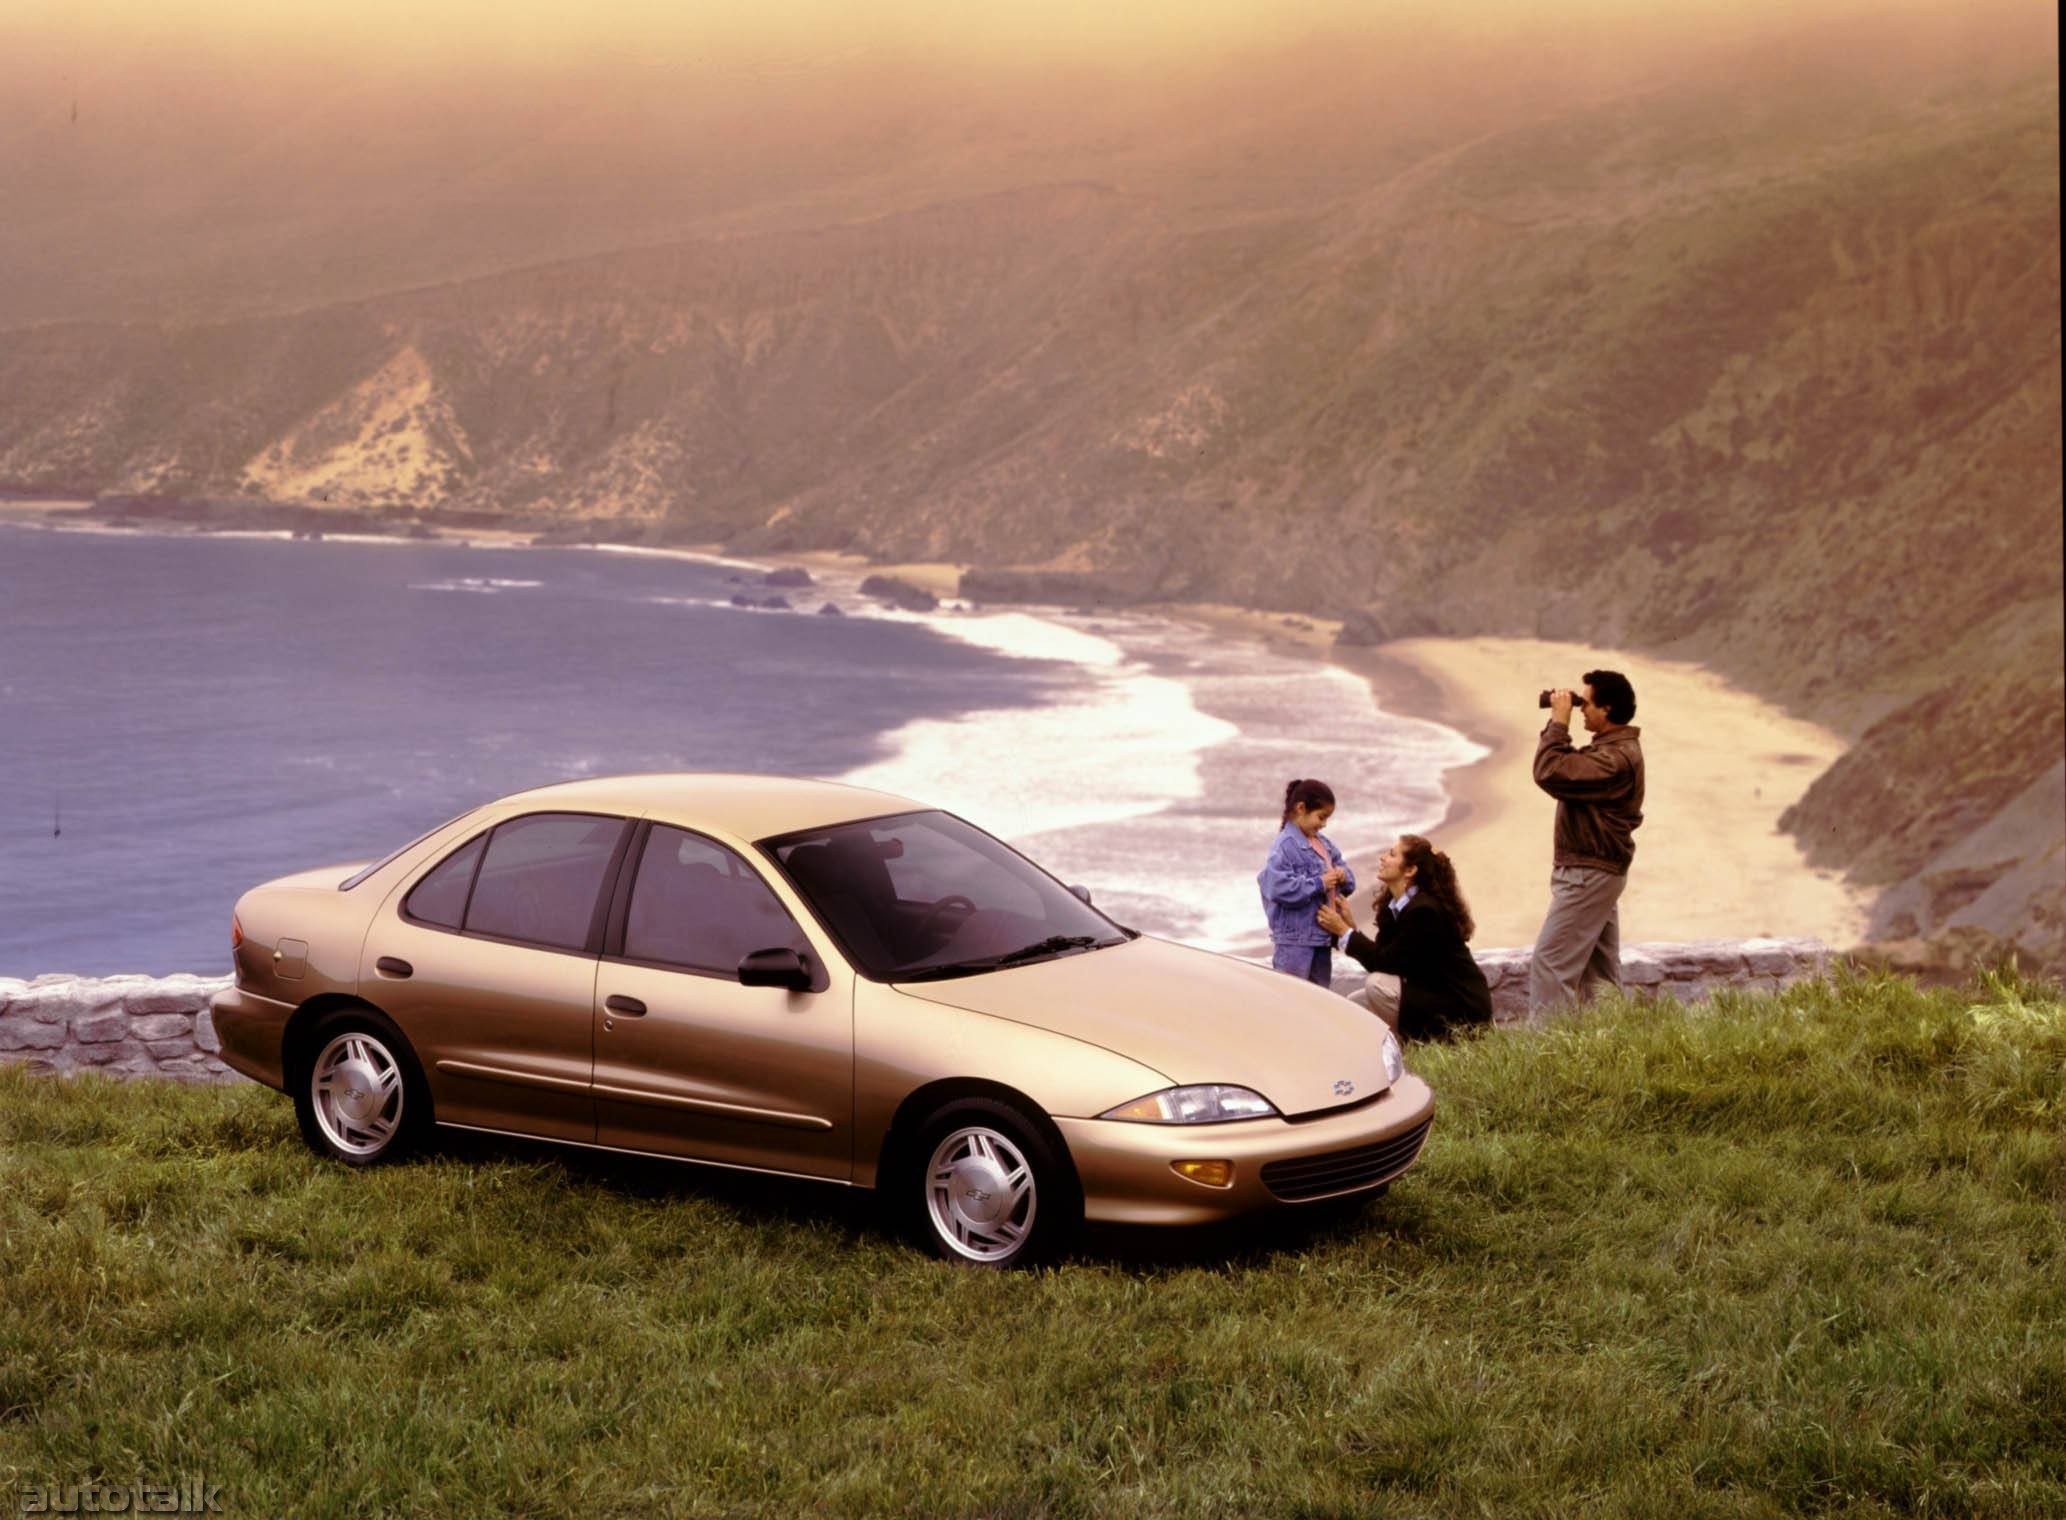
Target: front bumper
<point x="1125" y="1167"/>
<point x="253" y="1032"/>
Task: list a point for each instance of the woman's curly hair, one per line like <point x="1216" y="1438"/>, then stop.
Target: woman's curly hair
<point x="1436" y="878"/>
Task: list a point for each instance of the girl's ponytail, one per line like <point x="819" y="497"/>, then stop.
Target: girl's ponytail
<point x="1314" y="794"/>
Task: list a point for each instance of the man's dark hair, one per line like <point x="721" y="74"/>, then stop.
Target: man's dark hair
<point x="1612" y="691"/>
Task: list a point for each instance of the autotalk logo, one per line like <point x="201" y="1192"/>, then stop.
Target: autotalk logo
<point x="189" y="1496"/>
<point x="1344" y="1087"/>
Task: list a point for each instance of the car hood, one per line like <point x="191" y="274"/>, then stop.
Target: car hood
<point x="1193" y="1016"/>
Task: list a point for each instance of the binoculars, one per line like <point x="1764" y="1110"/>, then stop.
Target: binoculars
<point x="1577" y="697"/>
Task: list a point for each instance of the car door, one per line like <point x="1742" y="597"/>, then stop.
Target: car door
<point x="487" y="961"/>
<point x="688" y="1061"/>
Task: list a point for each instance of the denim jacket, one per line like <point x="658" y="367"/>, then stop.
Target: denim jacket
<point x="1292" y="894"/>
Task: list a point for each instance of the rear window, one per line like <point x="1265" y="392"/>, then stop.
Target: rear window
<point x="380" y="865"/>
<point x="440" y="898"/>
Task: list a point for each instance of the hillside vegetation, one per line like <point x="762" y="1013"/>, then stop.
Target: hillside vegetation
<point x="1757" y="365"/>
<point x="1799" y="1253"/>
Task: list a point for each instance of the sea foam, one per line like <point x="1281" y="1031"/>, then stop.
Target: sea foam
<point x="1155" y="775"/>
<point x="1116" y="742"/>
<point x="479" y="585"/>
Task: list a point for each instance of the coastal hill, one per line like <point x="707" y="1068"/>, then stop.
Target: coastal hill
<point x="1758" y="366"/>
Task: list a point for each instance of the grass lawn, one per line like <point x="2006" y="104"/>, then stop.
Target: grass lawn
<point x="1803" y="1253"/>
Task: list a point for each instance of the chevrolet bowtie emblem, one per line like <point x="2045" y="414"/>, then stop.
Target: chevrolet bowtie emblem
<point x="1344" y="1087"/>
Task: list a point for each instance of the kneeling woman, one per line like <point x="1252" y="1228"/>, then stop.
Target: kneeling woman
<point x="1423" y="929"/>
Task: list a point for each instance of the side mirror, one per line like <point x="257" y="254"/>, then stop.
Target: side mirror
<point x="774" y="968"/>
<point x="1082" y="892"/>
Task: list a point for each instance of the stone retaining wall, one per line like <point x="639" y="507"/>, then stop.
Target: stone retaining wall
<point x="127" y="1026"/>
<point x="1687" y="970"/>
<point x="140" y="1026"/>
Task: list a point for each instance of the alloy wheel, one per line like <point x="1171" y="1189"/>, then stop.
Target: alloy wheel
<point x="357" y="1091"/>
<point x="981" y="1194"/>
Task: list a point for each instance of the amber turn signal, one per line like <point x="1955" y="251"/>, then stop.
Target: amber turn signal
<point x="236" y="932"/>
<point x="1212" y="1173"/>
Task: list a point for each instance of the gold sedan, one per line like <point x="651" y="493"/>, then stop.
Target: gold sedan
<point x="813" y="980"/>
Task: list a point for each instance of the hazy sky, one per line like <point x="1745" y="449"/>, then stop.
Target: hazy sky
<point x="194" y="158"/>
<point x="530" y="33"/>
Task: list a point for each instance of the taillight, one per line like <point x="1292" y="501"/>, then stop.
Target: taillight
<point x="236" y="932"/>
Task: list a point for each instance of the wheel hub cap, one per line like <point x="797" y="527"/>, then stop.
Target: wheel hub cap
<point x="979" y="1190"/>
<point x="357" y="1099"/>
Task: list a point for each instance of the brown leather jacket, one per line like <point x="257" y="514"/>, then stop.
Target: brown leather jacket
<point x="1599" y="792"/>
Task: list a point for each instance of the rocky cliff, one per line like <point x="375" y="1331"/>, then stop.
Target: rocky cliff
<point x="1760" y="368"/>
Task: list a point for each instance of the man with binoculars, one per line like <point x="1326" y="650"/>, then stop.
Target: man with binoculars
<point x="1599" y="792"/>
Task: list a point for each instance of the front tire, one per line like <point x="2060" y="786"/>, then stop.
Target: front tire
<point x="992" y="1190"/>
<point x="360" y="1095"/>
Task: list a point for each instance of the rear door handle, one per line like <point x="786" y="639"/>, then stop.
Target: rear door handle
<point x="389" y="965"/>
<point x="630" y="1007"/>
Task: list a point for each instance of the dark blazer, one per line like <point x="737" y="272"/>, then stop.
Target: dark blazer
<point x="1441" y="986"/>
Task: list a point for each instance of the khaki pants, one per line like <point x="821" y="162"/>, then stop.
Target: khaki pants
<point x="1579" y="949"/>
<point x="1380" y="994"/>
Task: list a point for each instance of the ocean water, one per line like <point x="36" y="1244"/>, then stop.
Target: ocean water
<point x="194" y="714"/>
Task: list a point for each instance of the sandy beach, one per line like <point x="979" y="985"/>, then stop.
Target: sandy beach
<point x="1721" y="766"/>
<point x="36" y="509"/>
<point x="941" y="579"/>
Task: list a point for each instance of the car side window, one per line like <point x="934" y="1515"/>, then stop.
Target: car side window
<point x="697" y="905"/>
<point x="541" y="876"/>
<point x="440" y="897"/>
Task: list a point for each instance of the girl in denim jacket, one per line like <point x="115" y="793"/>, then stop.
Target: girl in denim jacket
<point x="1304" y="873"/>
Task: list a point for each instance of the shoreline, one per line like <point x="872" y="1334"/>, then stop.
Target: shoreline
<point x="1400" y="685"/>
<point x="1724" y="764"/>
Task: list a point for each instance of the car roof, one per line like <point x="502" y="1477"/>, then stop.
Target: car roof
<point x="746" y="807"/>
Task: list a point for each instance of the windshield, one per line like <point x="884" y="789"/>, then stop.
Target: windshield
<point x="923" y="895"/>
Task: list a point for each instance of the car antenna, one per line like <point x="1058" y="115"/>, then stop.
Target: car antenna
<point x="56" y="814"/>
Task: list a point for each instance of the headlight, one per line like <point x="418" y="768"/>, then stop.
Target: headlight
<point x="1395" y="1063"/>
<point x="1194" y="1105"/>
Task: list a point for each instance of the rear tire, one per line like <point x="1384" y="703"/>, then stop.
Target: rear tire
<point x="359" y="1092"/>
<point x="987" y="1188"/>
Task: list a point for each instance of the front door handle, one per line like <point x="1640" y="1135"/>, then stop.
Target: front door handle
<point x="389" y="965"/>
<point x="630" y="1007"/>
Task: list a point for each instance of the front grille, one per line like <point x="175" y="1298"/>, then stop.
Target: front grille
<point x="1344" y="1171"/>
